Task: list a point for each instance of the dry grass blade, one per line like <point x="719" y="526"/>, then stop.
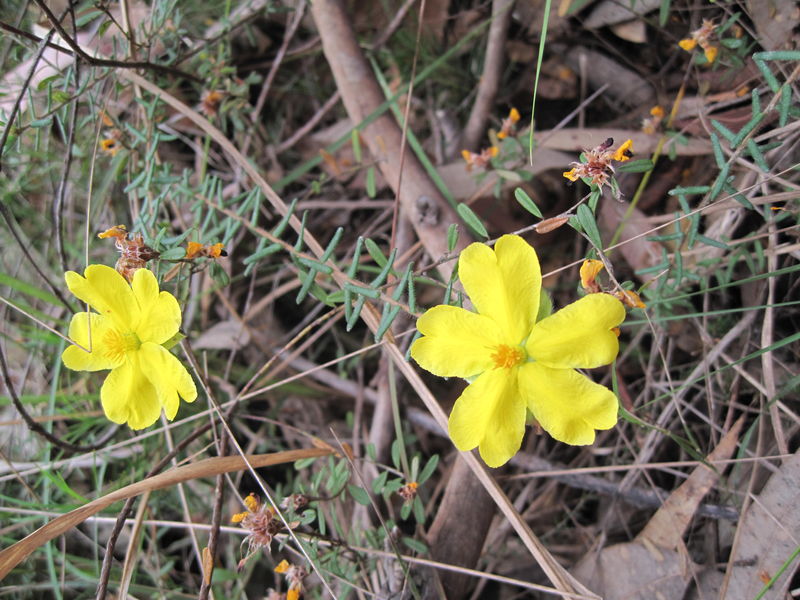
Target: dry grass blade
<point x="12" y="556"/>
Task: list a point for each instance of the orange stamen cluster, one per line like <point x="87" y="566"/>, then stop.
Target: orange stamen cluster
<point x="701" y="37"/>
<point x="598" y="166"/>
<point x="134" y="253"/>
<point x="506" y="356"/>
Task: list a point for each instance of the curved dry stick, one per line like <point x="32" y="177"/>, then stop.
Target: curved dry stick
<point x="361" y="95"/>
<point x="490" y="77"/>
<point x="11" y="557"/>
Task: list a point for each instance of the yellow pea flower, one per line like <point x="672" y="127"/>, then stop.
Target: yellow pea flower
<point x="515" y="361"/>
<point x="127" y="334"/>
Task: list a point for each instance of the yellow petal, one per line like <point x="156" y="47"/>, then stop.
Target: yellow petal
<point x="569" y="406"/>
<point x="710" y="53"/>
<point x="503" y="284"/>
<point x="129" y="397"/>
<point x="490" y="414"/>
<point x="513" y="114"/>
<point x="687" y="44"/>
<point x="168" y="376"/>
<point x="282" y="566"/>
<point x="99" y="358"/>
<point x="572" y="175"/>
<point x="456" y="342"/>
<point x="624" y="152"/>
<point x="108" y="293"/>
<point x="160" y="313"/>
<point x="579" y="335"/>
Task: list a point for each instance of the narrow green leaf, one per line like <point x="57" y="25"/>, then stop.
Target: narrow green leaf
<point x="586" y="219"/>
<point x="471" y="219"/>
<point x="452" y="236"/>
<point x="375" y="252"/>
<point x="641" y="165"/>
<point x="527" y="202"/>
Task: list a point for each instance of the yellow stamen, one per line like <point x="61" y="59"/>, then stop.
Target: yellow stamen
<point x="506" y="356"/>
<point x="117" y="344"/>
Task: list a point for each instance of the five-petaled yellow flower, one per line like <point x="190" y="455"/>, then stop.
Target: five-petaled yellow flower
<point x="517" y="361"/>
<point x="126" y="335"/>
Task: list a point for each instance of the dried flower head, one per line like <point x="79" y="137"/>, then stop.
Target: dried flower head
<point x="408" y="492"/>
<point x="598" y="167"/>
<point x="210" y="102"/>
<point x="479" y="160"/>
<point x="509" y="124"/>
<point x="702" y="37"/>
<point x="261" y="523"/>
<point x="134" y="253"/>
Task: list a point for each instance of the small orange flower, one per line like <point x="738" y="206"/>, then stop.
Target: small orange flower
<point x="702" y="37"/>
<point x="651" y="124"/>
<point x="479" y="160"/>
<point x="196" y="250"/>
<point x="110" y="146"/>
<point x="507" y="127"/>
<point x="589" y="271"/>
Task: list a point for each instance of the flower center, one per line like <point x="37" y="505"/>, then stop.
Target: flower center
<point x="118" y="344"/>
<point x="506" y="357"/>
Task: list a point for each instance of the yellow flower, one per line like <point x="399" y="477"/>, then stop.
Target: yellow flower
<point x="589" y="271"/>
<point x="126" y="335"/>
<point x="688" y="44"/>
<point x="710" y="53"/>
<point x="516" y="361"/>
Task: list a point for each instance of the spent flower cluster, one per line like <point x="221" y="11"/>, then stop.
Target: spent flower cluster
<point x="597" y="165"/>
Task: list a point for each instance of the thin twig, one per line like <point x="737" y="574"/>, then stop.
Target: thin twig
<point x="489" y="81"/>
<point x="107" y="62"/>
